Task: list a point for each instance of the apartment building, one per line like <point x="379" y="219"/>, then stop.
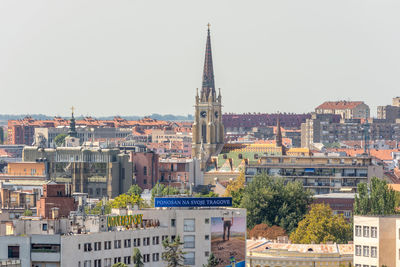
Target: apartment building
<point x="376" y="241"/>
<point x="346" y="109"/>
<point x="322" y="129"/>
<point x="320" y="174"/>
<point x="96" y="241"/>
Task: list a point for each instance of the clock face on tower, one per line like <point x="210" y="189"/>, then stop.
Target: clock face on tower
<point x="216" y="114"/>
<point x="203" y="114"/>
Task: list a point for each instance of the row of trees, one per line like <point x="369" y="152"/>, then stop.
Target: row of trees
<point x="274" y="201"/>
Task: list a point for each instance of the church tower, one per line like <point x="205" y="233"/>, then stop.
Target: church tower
<point x="207" y="130"/>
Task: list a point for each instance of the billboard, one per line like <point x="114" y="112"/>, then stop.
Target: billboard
<point x="228" y="240"/>
<point x="161" y="202"/>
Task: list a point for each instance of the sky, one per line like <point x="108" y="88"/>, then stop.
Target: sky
<point x="129" y="57"/>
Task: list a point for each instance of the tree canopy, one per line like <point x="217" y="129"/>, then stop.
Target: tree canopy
<point x="320" y="225"/>
<point x="119" y="264"/>
<point x="123" y="200"/>
<point x="137" y="258"/>
<point x="377" y="198"/>
<point x="212" y="261"/>
<point x="173" y="254"/>
<point x="235" y="189"/>
<point x="274" y="202"/>
<point x="135" y="190"/>
<point x="59" y="139"/>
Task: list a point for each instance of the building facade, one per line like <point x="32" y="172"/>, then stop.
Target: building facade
<point x="98" y="172"/>
<point x="346" y="109"/>
<point x="376" y="241"/>
<point x="105" y="240"/>
<point x="320" y="174"/>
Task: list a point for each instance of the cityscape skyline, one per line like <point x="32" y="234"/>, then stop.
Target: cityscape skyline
<point x="106" y="65"/>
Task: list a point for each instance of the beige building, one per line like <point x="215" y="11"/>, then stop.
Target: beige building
<point x="376" y="241"/>
<point x="347" y="109"/>
<point x="262" y="253"/>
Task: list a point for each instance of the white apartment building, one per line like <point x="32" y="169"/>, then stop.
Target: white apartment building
<point x="376" y="241"/>
<point x="97" y="242"/>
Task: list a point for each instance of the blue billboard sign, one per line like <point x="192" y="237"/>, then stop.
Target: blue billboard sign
<point x="168" y="202"/>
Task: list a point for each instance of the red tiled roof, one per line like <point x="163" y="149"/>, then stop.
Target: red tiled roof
<point x="339" y="104"/>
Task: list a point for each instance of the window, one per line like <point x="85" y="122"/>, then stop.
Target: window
<point x="358" y="230"/>
<point x="173" y="222"/>
<point x="189" y="258"/>
<point x="373" y="252"/>
<point x="164" y="237"/>
<point x="87" y="247"/>
<point x="117" y="259"/>
<point x="365" y="265"/>
<point x="107" y="245"/>
<point x="156" y="256"/>
<point x="374" y="232"/>
<point x="146" y="257"/>
<point x="358" y="265"/>
<point x="188" y="225"/>
<point x="365" y="231"/>
<point x="146" y="241"/>
<point x="366" y="251"/>
<point x="97" y="246"/>
<point x="117" y="243"/>
<point x="188" y="241"/>
<point x="207" y="237"/>
<point x="13" y="252"/>
<point x="87" y="263"/>
<point x="44" y="227"/>
<point x="358" y="250"/>
<point x="207" y="253"/>
<point x="127" y="259"/>
<point x="79" y="246"/>
<point x="97" y="263"/>
<point x="144" y="170"/>
<point x="156" y="240"/>
<point x="136" y="242"/>
<point x="206" y="220"/>
<point x="127" y="243"/>
<point x="107" y="262"/>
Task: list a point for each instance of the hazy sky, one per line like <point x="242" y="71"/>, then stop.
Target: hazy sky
<point x="140" y="57"/>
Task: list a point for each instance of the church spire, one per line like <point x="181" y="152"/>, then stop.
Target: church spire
<point x="72" y="129"/>
<point x="208" y="73"/>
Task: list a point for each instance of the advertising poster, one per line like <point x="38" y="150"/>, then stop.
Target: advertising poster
<point x="228" y="240"/>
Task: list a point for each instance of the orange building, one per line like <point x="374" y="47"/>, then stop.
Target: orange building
<point x="26" y="169"/>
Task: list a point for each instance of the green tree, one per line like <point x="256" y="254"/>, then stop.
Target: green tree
<point x="119" y="264"/>
<point x="123" y="200"/>
<point x="59" y="139"/>
<point x="135" y="190"/>
<point x="376" y="199"/>
<point x="137" y="258"/>
<point x="321" y="226"/>
<point x="100" y="208"/>
<point x="235" y="189"/>
<point x="160" y="190"/>
<point x="173" y="254"/>
<point x="27" y="212"/>
<point x="212" y="261"/>
<point x="209" y="194"/>
<point x="275" y="202"/>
